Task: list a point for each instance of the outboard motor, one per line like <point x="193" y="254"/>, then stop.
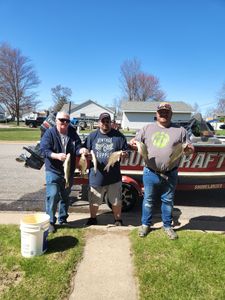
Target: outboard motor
<point x="36" y="160"/>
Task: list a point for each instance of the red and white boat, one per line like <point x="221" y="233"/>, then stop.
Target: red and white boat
<point x="202" y="170"/>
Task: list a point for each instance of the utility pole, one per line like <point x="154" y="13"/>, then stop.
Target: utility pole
<point x="69" y="107"/>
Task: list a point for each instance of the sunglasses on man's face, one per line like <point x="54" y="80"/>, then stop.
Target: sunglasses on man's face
<point x="62" y="120"/>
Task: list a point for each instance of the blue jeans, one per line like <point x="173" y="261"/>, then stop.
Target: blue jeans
<point x="56" y="195"/>
<point x="155" y="186"/>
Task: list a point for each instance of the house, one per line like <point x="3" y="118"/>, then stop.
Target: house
<point x="87" y="110"/>
<point x="136" y="114"/>
<point x="2" y="114"/>
<point x="32" y="115"/>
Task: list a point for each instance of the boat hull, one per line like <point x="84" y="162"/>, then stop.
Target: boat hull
<point x="202" y="170"/>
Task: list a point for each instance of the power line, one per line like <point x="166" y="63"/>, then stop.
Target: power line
<point x="209" y="103"/>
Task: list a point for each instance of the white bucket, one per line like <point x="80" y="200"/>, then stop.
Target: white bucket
<point x="34" y="233"/>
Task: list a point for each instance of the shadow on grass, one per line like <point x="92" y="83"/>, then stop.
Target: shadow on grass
<point x="62" y="243"/>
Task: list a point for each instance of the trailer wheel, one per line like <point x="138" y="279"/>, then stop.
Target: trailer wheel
<point x="82" y="125"/>
<point x="129" y="197"/>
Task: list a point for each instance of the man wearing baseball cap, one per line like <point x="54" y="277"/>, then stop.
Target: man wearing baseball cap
<point x="164" y="105"/>
<point x="103" y="181"/>
<point x="165" y="144"/>
<point x="104" y="115"/>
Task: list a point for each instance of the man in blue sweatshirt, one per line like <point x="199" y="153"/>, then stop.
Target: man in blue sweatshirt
<point x="55" y="144"/>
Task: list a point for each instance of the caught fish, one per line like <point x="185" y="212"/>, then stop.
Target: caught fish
<point x="94" y="160"/>
<point x="114" y="157"/>
<point x="83" y="164"/>
<point x="178" y="150"/>
<point x="66" y="166"/>
<point x="142" y="149"/>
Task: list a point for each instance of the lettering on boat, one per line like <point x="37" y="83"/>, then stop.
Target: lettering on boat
<point x="208" y="186"/>
<point x="197" y="160"/>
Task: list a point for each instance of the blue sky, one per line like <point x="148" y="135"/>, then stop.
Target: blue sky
<point x="81" y="44"/>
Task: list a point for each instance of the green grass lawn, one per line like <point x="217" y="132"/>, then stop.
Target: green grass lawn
<point x="20" y="134"/>
<point x="220" y="132"/>
<point x="42" y="277"/>
<point x="192" y="267"/>
<point x="24" y="134"/>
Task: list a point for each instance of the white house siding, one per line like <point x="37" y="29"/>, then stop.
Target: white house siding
<point x="137" y="120"/>
<point x="91" y="110"/>
<point x="181" y="116"/>
<point x="2" y="117"/>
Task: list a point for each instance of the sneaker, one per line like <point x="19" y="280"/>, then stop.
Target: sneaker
<point x="63" y="222"/>
<point x="118" y="223"/>
<point x="144" y="230"/>
<point x="92" y="221"/>
<point x="171" y="233"/>
<point x="51" y="228"/>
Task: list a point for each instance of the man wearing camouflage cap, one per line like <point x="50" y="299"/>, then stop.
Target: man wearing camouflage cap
<point x="165" y="143"/>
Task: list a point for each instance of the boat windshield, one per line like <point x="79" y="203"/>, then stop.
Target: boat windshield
<point x="197" y="126"/>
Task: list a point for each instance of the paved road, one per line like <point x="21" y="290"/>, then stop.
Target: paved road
<point x="18" y="183"/>
<point x="21" y="188"/>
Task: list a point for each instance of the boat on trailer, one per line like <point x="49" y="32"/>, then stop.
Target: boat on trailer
<point x="202" y="170"/>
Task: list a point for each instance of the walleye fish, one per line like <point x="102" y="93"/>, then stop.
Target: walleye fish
<point x="94" y="160"/>
<point x="66" y="166"/>
<point x="142" y="149"/>
<point x="83" y="164"/>
<point x="178" y="150"/>
<point x="114" y="157"/>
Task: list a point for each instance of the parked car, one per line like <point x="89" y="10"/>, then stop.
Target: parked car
<point x="35" y="122"/>
<point x="222" y="126"/>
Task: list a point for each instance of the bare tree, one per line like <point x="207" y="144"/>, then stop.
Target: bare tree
<point x="221" y="100"/>
<point x="138" y="85"/>
<point x="17" y="81"/>
<point x="149" y="88"/>
<point x="196" y="108"/>
<point x="61" y="95"/>
<point x="116" y="103"/>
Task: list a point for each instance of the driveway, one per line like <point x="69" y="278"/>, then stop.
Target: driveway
<point x="24" y="188"/>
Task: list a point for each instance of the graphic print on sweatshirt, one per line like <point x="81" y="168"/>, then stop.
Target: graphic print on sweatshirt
<point x="103" y="147"/>
<point x="160" y="139"/>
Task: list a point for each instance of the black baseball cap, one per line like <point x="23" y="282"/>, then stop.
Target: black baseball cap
<point x="104" y="115"/>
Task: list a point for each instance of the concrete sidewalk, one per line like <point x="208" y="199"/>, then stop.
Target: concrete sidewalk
<point x="106" y="271"/>
<point x="185" y="217"/>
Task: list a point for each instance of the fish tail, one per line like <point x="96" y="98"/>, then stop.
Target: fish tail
<point x="107" y="168"/>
